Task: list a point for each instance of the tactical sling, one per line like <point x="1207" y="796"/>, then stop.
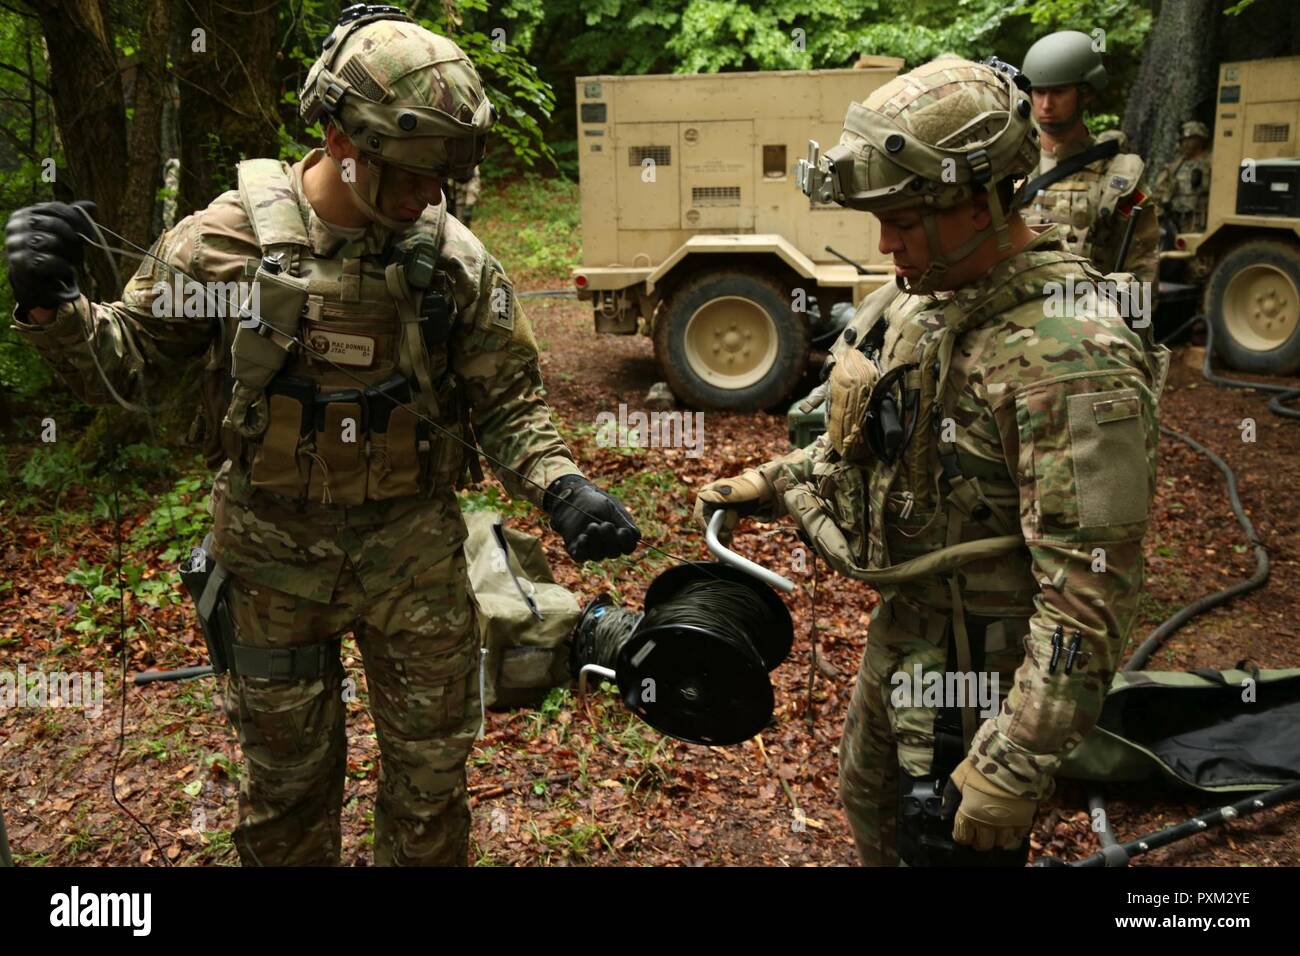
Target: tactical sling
<point x="1106" y="149"/>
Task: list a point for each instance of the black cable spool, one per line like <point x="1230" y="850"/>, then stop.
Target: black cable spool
<point x="694" y="666"/>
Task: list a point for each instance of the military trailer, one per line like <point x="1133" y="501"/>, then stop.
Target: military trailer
<point x="1247" y="261"/>
<point x="693" y="231"/>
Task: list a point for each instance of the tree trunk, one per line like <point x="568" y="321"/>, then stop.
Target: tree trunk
<point x="228" y="96"/>
<point x="1176" y="81"/>
<point x="1180" y="71"/>
<point x="144" y="172"/>
<point x="89" y="107"/>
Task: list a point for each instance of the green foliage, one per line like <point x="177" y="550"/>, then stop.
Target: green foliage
<point x="52" y="467"/>
<point x="513" y="83"/>
<point x="490" y="498"/>
<point x="180" y="518"/>
<point x="532" y="224"/>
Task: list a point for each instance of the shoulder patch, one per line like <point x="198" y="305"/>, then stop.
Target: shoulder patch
<point x="501" y="302"/>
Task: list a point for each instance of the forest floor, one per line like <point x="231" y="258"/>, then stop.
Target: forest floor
<point x="573" y="783"/>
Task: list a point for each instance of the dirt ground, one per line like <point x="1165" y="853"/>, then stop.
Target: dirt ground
<point x="574" y="783"/>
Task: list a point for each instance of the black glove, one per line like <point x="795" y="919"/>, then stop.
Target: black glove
<point x="593" y="524"/>
<point x="44" y="246"/>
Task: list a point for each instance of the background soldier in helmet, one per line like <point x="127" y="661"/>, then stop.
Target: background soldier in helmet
<point x="988" y="465"/>
<point x="1183" y="186"/>
<point x="334" y="507"/>
<point x="462" y="197"/>
<point x="1088" y="185"/>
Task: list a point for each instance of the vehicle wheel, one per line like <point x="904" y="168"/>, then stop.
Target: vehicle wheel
<point x="1253" y="299"/>
<point x="730" y="340"/>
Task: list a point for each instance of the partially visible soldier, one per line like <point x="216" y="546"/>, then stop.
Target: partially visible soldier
<point x="1088" y="185"/>
<point x="1183" y="186"/>
<point x="334" y="506"/>
<point x="988" y="466"/>
<point x="462" y="197"/>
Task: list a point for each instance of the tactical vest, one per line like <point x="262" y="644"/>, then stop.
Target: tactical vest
<point x="936" y="528"/>
<point x="1080" y="201"/>
<point x="318" y="402"/>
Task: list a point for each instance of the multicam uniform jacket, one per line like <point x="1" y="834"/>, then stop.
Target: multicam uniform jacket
<point x="1050" y="410"/>
<point x="289" y="517"/>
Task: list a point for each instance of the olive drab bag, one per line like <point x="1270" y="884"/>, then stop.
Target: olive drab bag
<point x="525" y="619"/>
<point x="1215" y="731"/>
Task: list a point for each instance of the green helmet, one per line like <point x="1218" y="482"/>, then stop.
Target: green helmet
<point x="932" y="139"/>
<point x="1194" y="128"/>
<point x="1063" y="59"/>
<point x="400" y="94"/>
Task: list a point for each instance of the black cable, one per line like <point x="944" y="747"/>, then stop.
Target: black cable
<point x="121" y="632"/>
<point x="730" y="610"/>
<point x="1142" y="654"/>
<point x="114" y="467"/>
<point x="601" y="642"/>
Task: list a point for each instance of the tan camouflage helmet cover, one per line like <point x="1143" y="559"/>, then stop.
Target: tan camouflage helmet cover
<point x="401" y="93"/>
<point x="931" y="138"/>
<point x="1194" y="128"/>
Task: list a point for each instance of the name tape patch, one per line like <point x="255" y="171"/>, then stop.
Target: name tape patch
<point x="342" y="347"/>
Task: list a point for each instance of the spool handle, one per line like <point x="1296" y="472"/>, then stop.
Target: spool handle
<point x="596" y="669"/>
<point x="727" y="556"/>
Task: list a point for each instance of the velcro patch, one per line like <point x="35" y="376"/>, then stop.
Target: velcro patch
<point x="342" y="348"/>
<point x="501" y="302"/>
<point x="1115" y="410"/>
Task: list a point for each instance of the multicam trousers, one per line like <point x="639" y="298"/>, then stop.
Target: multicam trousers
<point x="879" y="737"/>
<point x="420" y="652"/>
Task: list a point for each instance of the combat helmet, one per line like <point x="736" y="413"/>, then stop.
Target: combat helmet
<point x="402" y="95"/>
<point x="1065" y="58"/>
<point x="1194" y="128"/>
<point x="930" y="139"/>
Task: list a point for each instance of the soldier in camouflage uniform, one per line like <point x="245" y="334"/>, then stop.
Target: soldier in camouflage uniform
<point x="334" y="506"/>
<point x="1093" y="202"/>
<point x="463" y="197"/>
<point x="1183" y="186"/>
<point x="988" y="466"/>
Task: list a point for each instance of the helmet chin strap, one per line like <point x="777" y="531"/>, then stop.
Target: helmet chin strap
<point x="940" y="261"/>
<point x="368" y="206"/>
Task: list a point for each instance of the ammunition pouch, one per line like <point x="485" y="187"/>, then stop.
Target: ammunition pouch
<point x="344" y="446"/>
<point x="266" y="336"/>
<point x="849" y="388"/>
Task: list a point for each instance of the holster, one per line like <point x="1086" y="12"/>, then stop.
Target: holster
<point x="205" y="580"/>
<point x="924" y="817"/>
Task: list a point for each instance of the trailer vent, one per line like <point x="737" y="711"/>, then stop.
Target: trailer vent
<point x="662" y="155"/>
<point x="715" y="195"/>
<point x="1272" y="132"/>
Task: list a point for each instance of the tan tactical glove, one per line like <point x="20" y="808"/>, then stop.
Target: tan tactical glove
<point x="739" y="497"/>
<point x="988" y="816"/>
